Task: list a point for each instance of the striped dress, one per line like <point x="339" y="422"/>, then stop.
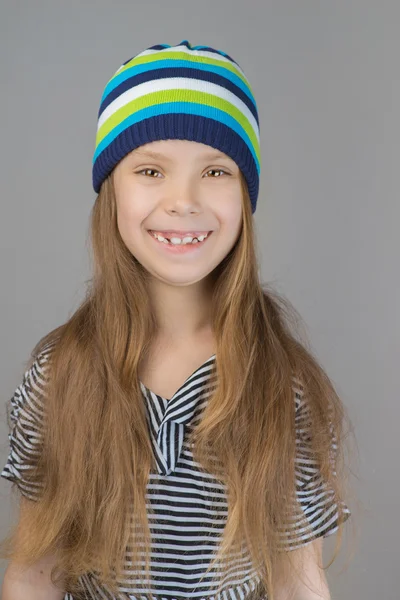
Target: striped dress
<point x="189" y="506"/>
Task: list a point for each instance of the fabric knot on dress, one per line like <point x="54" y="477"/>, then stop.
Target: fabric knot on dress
<point x="169" y="419"/>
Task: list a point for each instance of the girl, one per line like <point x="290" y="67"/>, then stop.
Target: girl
<point x="173" y="439"/>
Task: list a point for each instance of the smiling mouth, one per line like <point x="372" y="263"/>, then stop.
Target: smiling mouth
<point x="180" y="240"/>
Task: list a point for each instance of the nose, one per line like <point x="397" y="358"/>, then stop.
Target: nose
<point x="182" y="197"/>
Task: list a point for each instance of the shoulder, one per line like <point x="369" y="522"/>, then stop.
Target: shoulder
<point x="41" y="360"/>
<point x="26" y="413"/>
<point x="28" y="396"/>
<point x="299" y="395"/>
<point x="303" y="417"/>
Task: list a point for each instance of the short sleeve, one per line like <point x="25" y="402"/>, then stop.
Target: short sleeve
<point x="313" y="495"/>
<point x="25" y="412"/>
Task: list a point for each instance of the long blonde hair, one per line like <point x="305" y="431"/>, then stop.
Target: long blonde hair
<point x="93" y="506"/>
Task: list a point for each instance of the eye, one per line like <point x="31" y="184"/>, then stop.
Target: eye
<point x="218" y="171"/>
<point x="148" y="171"/>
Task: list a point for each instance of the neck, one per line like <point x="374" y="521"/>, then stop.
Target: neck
<point x="181" y="312"/>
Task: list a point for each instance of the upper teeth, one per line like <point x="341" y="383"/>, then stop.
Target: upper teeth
<point x="177" y="240"/>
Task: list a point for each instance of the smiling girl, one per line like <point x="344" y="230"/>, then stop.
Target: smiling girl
<point x="174" y="439"/>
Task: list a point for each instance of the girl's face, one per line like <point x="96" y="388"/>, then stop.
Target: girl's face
<point x="178" y="188"/>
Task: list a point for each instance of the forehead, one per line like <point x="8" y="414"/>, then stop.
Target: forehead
<point x="170" y="149"/>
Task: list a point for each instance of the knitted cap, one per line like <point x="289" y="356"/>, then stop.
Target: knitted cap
<point x="182" y="92"/>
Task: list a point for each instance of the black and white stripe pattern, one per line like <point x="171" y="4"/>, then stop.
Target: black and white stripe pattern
<point x="189" y="506"/>
<point x="169" y="419"/>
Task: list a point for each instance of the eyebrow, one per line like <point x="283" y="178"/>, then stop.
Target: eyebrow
<point x="160" y="156"/>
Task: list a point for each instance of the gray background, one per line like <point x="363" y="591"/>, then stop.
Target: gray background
<point x="326" y="78"/>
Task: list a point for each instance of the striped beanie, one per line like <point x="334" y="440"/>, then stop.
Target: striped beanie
<point x="185" y="92"/>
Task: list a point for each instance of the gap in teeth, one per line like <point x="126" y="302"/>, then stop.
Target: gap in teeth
<point x="194" y="240"/>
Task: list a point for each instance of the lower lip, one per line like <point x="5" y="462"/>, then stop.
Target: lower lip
<point x="179" y="248"/>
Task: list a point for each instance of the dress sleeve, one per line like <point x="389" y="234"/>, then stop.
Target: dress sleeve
<point x="320" y="513"/>
<point x="25" y="412"/>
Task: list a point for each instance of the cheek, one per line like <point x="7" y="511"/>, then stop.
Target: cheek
<point x="230" y="212"/>
<point x="130" y="216"/>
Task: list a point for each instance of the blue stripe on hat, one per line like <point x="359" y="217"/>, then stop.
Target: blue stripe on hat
<point x="194" y="73"/>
